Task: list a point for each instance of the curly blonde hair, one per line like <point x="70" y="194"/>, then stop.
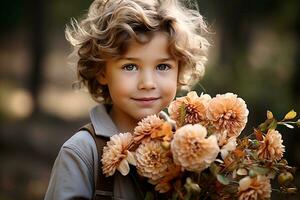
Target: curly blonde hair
<point x="110" y="25"/>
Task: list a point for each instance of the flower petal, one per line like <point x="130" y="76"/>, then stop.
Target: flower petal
<point x="124" y="167"/>
<point x="131" y="158"/>
<point x="244" y="183"/>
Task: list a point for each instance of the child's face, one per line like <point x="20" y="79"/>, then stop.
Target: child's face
<point x="143" y="81"/>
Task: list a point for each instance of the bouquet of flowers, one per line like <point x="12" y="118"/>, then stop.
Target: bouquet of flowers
<point x="195" y="152"/>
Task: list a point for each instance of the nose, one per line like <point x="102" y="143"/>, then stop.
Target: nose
<point x="147" y="80"/>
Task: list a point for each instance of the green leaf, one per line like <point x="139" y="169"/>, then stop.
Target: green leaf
<point x="175" y="195"/>
<point x="149" y="196"/>
<point x="260" y="170"/>
<point x="223" y="179"/>
<point x="182" y="113"/>
<point x="253" y="154"/>
<point x="290" y="115"/>
<point x="252" y="173"/>
<point x="264" y="126"/>
<point x="255" y="143"/>
<point x="273" y="124"/>
<point x="214" y="169"/>
<point x="188" y="196"/>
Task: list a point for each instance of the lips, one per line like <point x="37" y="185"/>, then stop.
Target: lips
<point x="146" y="99"/>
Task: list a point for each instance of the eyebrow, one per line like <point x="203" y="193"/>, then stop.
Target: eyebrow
<point x="137" y="59"/>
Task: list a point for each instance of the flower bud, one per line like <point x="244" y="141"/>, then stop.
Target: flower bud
<point x="298" y="122"/>
<point x="290" y="115"/>
<point x="188" y="180"/>
<point x="255" y="144"/>
<point x="190" y="186"/>
<point x="244" y="183"/>
<point x="165" y="145"/>
<point x="173" y="125"/>
<point x="252" y="173"/>
<point x="195" y="188"/>
<point x="285" y="178"/>
<point x="270" y="115"/>
<point x="283" y="161"/>
<point x="292" y="190"/>
<point x="242" y="172"/>
<point x="163" y="115"/>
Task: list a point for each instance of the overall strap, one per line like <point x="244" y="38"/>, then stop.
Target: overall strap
<point x="103" y="185"/>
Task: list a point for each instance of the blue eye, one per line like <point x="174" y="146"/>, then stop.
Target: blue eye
<point x="163" y="67"/>
<point x="130" y="67"/>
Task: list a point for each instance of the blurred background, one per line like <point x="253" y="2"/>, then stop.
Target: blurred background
<point x="255" y="53"/>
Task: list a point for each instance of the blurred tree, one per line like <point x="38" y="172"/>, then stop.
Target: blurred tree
<point x="235" y="21"/>
<point x="10" y="15"/>
<point x="37" y="22"/>
<point x="296" y="75"/>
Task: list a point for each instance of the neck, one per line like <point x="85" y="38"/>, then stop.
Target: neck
<point x="122" y="122"/>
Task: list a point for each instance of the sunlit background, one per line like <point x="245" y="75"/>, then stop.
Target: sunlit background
<point x="255" y="53"/>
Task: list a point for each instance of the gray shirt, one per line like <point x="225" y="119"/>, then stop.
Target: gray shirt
<point x="73" y="173"/>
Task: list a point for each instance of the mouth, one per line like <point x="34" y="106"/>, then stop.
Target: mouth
<point x="146" y="99"/>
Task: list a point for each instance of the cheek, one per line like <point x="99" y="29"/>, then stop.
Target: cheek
<point x="169" y="88"/>
<point x="120" y="85"/>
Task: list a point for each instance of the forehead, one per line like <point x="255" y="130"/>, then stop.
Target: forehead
<point x="156" y="45"/>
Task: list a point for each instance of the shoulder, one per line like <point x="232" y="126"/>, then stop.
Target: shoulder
<point x="82" y="146"/>
<point x="73" y="171"/>
<point x="81" y="139"/>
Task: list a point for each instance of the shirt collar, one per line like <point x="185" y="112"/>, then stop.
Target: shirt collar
<point x="103" y="124"/>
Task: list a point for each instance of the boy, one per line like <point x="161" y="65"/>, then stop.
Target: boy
<point x="133" y="56"/>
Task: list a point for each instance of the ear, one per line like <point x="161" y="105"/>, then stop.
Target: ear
<point x="101" y="77"/>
